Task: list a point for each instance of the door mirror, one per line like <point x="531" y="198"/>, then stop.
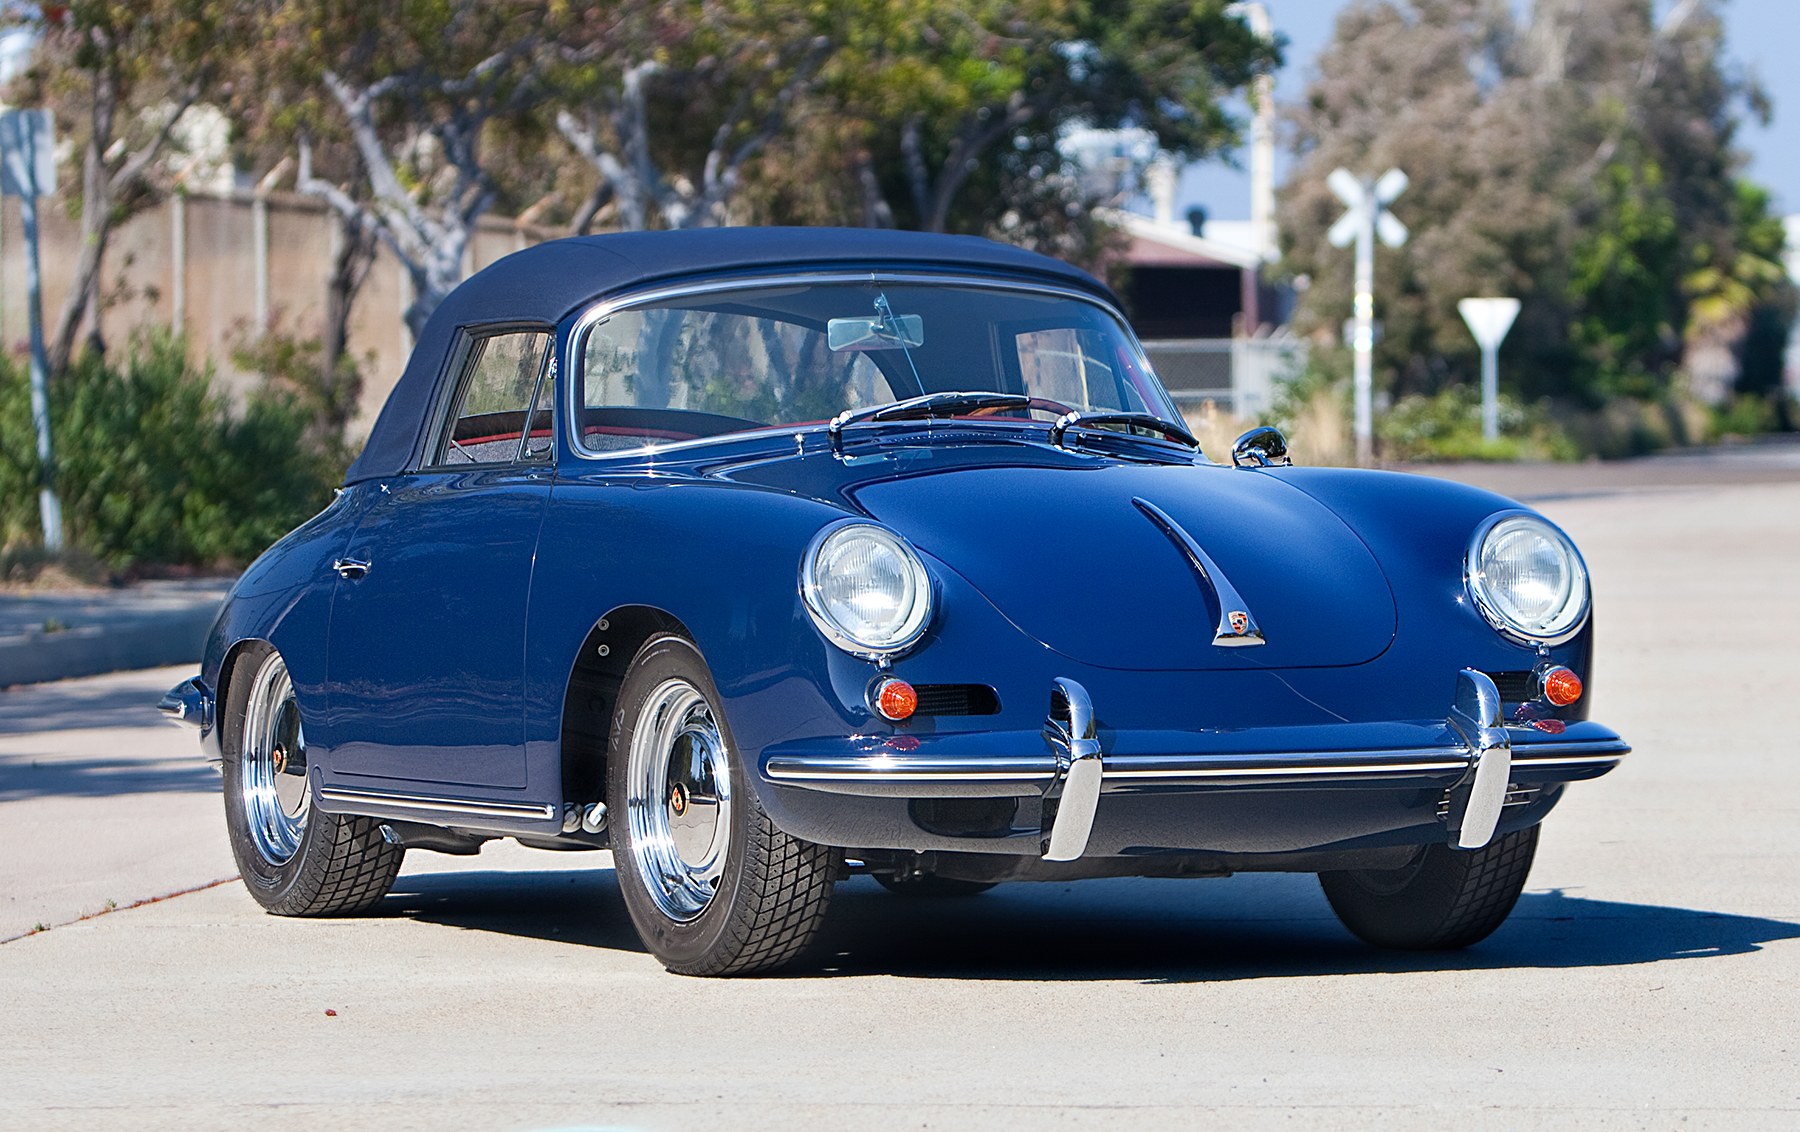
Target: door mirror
<point x="1263" y="447"/>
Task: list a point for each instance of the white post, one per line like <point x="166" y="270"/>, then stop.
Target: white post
<point x="1364" y="219"/>
<point x="1489" y="320"/>
<point x="259" y="250"/>
<point x="49" y="506"/>
<point x="1363" y="337"/>
<point x="1490" y="392"/>
<point x="259" y="237"/>
<point x="1262" y="137"/>
<point x="27" y="146"/>
<point x="178" y="261"/>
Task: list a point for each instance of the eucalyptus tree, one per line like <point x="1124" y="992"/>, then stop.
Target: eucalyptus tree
<point x="119" y="76"/>
<point x="415" y="90"/>
<point x="669" y="104"/>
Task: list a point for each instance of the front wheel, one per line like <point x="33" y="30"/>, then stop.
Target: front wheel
<point x="1443" y="899"/>
<point x="713" y="887"/>
<point x="295" y="859"/>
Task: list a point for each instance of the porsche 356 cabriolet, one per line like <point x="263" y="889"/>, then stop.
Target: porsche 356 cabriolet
<point x="762" y="557"/>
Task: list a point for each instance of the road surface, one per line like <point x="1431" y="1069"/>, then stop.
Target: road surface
<point x="1650" y="976"/>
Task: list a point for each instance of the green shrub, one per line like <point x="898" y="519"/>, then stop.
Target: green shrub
<point x="1747" y="414"/>
<point x="153" y="466"/>
<point x="1447" y="426"/>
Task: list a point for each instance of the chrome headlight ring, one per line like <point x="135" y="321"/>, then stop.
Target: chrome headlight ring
<point x="1527" y="579"/>
<point x="866" y="589"/>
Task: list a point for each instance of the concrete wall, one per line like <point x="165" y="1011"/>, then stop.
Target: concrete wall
<point x="192" y="261"/>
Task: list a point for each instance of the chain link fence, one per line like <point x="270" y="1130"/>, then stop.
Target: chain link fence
<point x="1238" y="376"/>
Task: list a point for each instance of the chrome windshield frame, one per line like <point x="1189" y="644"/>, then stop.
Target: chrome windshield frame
<point x="574" y="348"/>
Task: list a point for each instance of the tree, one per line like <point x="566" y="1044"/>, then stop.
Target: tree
<point x="1581" y="160"/>
<point x="965" y="105"/>
<point x="669" y="103"/>
<point x="951" y="117"/>
<point x="416" y="90"/>
<point x="119" y="77"/>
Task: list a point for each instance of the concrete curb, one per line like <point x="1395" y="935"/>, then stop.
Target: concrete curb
<point x="60" y="635"/>
<point x="149" y="641"/>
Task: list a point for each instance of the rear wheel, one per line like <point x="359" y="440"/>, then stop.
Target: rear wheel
<point x="713" y="887"/>
<point x="1443" y="899"/>
<point x="295" y="860"/>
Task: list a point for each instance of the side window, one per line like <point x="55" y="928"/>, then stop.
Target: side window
<point x="499" y="409"/>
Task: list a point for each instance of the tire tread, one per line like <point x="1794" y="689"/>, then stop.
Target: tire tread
<point x="1458" y="898"/>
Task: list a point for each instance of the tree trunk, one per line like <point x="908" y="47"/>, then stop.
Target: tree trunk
<point x="96" y="229"/>
<point x="354" y="256"/>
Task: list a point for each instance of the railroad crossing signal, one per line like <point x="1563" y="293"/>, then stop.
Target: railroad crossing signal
<point x="1366" y="218"/>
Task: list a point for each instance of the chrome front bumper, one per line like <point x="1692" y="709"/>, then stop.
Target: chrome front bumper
<point x="1472" y="757"/>
<point x="188" y="702"/>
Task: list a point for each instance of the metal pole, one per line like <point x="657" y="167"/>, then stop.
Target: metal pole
<point x="1490" y="392"/>
<point x="259" y="250"/>
<point x="178" y="261"/>
<point x="1364" y="332"/>
<point x="49" y="507"/>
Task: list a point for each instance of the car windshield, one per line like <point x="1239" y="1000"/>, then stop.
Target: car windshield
<point x="758" y="357"/>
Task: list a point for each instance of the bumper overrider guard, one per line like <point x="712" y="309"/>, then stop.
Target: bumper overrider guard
<point x="1473" y="768"/>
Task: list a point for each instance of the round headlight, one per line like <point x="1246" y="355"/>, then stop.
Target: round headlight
<point x="866" y="589"/>
<point x="1528" y="579"/>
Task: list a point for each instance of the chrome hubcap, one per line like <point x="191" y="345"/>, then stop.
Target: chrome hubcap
<point x="678" y="800"/>
<point x="272" y="782"/>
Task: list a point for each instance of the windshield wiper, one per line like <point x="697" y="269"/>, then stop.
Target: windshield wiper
<point x="948" y="404"/>
<point x="1133" y="420"/>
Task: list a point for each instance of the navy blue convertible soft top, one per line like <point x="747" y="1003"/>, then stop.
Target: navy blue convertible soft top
<point x="542" y="284"/>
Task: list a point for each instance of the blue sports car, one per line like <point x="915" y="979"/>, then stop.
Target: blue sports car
<point x="762" y="557"/>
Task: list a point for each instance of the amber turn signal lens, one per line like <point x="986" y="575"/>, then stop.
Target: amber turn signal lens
<point x="1561" y="686"/>
<point x="895" y="699"/>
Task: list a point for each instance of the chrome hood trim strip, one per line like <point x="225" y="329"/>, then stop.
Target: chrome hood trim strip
<point x="1237" y="626"/>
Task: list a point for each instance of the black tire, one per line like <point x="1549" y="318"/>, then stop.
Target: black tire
<point x="315" y="864"/>
<point x="927" y="885"/>
<point x="1445" y="899"/>
<point x="770" y="891"/>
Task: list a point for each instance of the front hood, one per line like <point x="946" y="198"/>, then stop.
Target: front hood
<point x="1066" y="555"/>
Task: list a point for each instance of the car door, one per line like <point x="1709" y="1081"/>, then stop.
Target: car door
<point x="427" y="638"/>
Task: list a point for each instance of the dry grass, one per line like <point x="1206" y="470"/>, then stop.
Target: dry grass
<point x="1321" y="435"/>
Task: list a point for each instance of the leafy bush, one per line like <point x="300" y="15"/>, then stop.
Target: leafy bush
<point x="1447" y="426"/>
<point x="153" y="466"/>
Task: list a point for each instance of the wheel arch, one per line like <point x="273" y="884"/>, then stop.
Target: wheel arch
<point x="228" y="666"/>
<point x="590" y="694"/>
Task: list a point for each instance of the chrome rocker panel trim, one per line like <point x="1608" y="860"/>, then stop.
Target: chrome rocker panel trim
<point x="341" y="799"/>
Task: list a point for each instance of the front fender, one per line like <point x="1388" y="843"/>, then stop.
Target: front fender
<point x="722" y="560"/>
<point x="284" y="597"/>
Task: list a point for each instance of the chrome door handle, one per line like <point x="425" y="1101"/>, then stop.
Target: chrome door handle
<point x="350" y="568"/>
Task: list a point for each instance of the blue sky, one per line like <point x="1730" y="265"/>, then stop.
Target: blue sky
<point x="1762" y="37"/>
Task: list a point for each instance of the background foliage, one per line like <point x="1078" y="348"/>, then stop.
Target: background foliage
<point x="155" y="467"/>
<point x="1579" y="157"/>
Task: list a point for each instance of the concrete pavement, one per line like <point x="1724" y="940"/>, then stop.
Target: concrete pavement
<point x="1650" y="977"/>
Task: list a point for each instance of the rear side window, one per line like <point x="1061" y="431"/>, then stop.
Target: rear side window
<point x="500" y="411"/>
